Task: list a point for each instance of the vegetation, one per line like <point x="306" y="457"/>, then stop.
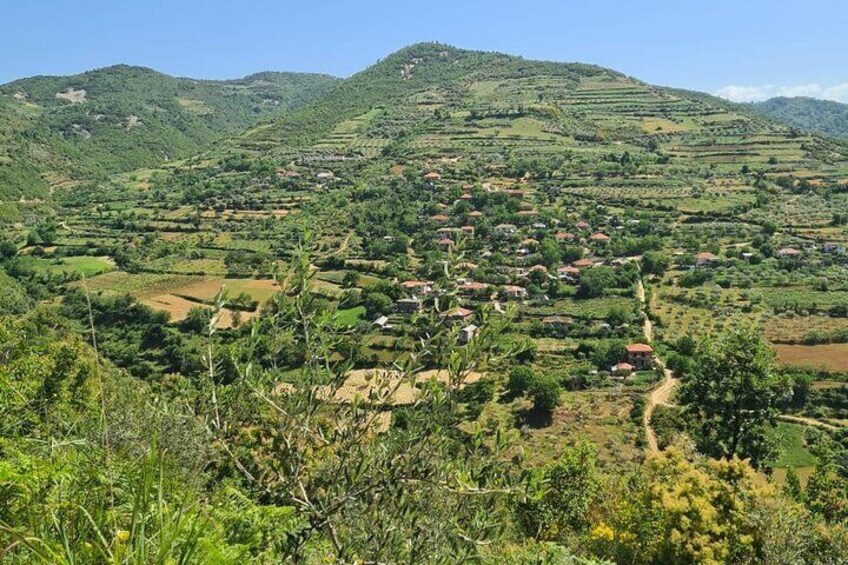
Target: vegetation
<point x="427" y="315"/>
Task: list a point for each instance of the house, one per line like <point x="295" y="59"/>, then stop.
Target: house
<point x="383" y="323"/>
<point x="582" y="225"/>
<point x="788" y="252"/>
<point x="705" y="258"/>
<point x="570" y="274"/>
<point x="582" y="264"/>
<point x="439" y="218"/>
<point x="445" y="242"/>
<point x="467" y="333"/>
<point x="511" y="292"/>
<point x="418" y="287"/>
<point x="457" y="314"/>
<point x="475" y="214"/>
<point x="432" y="176"/>
<point x="466" y="196"/>
<point x="528" y="213"/>
<point x="408" y="306"/>
<point x="600" y="237"/>
<point x="639" y="355"/>
<point x="622" y="369"/>
<point x="564" y="236"/>
<point x="833" y="247"/>
<point x="505" y="229"/>
<point x="468" y="230"/>
<point x="472" y="288"/>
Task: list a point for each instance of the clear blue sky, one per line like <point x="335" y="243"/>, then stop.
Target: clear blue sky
<point x="757" y="47"/>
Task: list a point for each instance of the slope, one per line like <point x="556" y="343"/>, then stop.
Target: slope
<point x="55" y="130"/>
<point x="808" y="114"/>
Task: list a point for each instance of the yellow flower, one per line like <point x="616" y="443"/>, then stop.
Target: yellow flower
<point x="602" y="532"/>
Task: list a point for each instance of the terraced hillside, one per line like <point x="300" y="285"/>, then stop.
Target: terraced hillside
<point x="59" y="131"/>
<point x="427" y="289"/>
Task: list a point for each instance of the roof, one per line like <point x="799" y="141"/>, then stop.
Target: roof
<point x="457" y="313"/>
<point x="413" y="284"/>
<point x="582" y="263"/>
<point x="639" y="348"/>
<point x="564" y="235"/>
<point x="439" y="218"/>
<point x="599" y="237"/>
<point x="706" y="256"/>
<point x="432" y="176"/>
<point x="788" y="251"/>
<point x="623" y="366"/>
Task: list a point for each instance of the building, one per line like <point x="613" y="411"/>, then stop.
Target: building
<point x="408" y="306"/>
<point x="600" y="237"/>
<point x="705" y="258"/>
<point x="505" y="229"/>
<point x="568" y="274"/>
<point x="433" y="176"/>
<point x="639" y="355"/>
<point x="583" y="264"/>
<point x="511" y="292"/>
<point x="472" y="288"/>
<point x="383" y="323"/>
<point x="457" y="314"/>
<point x="467" y="333"/>
<point x="564" y="236"/>
<point x="622" y="369"/>
<point x="439" y="218"/>
<point x="788" y="252"/>
<point x="418" y="287"/>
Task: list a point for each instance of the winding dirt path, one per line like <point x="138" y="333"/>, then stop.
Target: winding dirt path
<point x="661" y="395"/>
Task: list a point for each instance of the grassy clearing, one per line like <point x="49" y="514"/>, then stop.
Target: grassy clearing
<point x="793" y="448"/>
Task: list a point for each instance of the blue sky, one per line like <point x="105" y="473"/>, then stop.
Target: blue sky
<point x="743" y="49"/>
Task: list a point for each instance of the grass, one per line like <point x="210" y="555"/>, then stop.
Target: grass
<point x="793" y="450"/>
<point x="350" y="316"/>
<point x="83" y="265"/>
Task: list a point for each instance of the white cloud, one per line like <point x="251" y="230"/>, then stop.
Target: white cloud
<point x="737" y="93"/>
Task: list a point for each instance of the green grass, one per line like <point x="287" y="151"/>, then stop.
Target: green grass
<point x="350" y="316"/>
<point x="88" y="266"/>
<point x="793" y="452"/>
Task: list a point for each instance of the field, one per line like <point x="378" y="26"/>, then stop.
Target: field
<point x="829" y="357"/>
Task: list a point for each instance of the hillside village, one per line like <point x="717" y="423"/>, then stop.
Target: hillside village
<point x="460" y="302"/>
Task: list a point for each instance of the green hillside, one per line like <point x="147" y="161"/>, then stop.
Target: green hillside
<point x="57" y="131"/>
<point x="462" y="307"/>
<point x="808" y="114"/>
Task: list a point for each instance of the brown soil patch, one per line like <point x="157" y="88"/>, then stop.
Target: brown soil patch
<point x="178" y="308"/>
<point x="73" y="96"/>
<point x="830" y="357"/>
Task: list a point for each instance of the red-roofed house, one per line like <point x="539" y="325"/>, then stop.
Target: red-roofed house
<point x="602" y="237"/>
<point x="639" y="355"/>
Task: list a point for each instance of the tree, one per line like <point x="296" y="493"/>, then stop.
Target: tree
<point x="550" y="252"/>
<point x="731" y="395"/>
<point x="8" y="248"/>
<point x="521" y="378"/>
<point x="593" y="282"/>
<point x="655" y="263"/>
<point x="545" y="391"/>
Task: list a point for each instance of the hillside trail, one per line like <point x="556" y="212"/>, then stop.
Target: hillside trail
<point x="661" y="395"/>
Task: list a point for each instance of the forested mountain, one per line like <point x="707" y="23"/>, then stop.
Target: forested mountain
<point x="808" y="114"/>
<point x="56" y="131"/>
<point x="460" y="307"/>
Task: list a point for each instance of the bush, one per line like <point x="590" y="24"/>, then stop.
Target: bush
<point x="520" y="380"/>
<point x="545" y="392"/>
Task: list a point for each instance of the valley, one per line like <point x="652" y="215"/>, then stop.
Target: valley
<point x="452" y="251"/>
